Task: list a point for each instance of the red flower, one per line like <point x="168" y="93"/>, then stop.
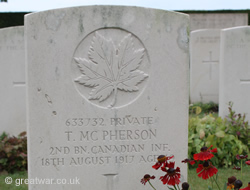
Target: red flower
<point x="231" y="180"/>
<point x="239" y="157"/>
<point x="161" y="160"/>
<point x="230" y="184"/>
<point x="205" y="153"/>
<point x="172" y="176"/>
<point x="236" y="168"/>
<point x="248" y="162"/>
<point x="246" y="188"/>
<point x="192" y="162"/>
<point x="206" y="170"/>
<point x="146" y="178"/>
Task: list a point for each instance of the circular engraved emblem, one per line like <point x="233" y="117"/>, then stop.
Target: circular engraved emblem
<point x="110" y="68"/>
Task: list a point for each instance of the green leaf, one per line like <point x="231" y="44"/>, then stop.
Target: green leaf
<point x="197" y="142"/>
<point x="3" y="161"/>
<point x="198" y="110"/>
<point x="210" y="140"/>
<point x="220" y="134"/>
<point x="225" y="186"/>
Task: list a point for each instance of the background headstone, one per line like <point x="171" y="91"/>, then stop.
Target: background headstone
<point x="107" y="94"/>
<point x="217" y="20"/>
<point x="12" y="83"/>
<point x="235" y="70"/>
<point x="204" y="65"/>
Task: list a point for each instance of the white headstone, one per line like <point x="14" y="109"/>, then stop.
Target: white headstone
<point x="217" y="20"/>
<point x="12" y="82"/>
<point x="107" y="94"/>
<point x="235" y="71"/>
<point x="204" y="65"/>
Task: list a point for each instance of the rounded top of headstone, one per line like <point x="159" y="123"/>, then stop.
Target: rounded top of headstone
<point x="236" y="28"/>
<point x="12" y="28"/>
<point x="205" y="30"/>
<point x="109" y="8"/>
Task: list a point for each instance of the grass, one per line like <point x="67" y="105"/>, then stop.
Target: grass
<point x="197" y="183"/>
<point x="15" y="179"/>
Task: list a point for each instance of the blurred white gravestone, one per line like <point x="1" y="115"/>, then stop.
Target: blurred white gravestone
<point x="235" y="71"/>
<point x="204" y="63"/>
<point x="217" y="20"/>
<point x="104" y="95"/>
<point x="12" y="83"/>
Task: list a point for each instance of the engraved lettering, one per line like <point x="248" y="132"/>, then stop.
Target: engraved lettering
<point x="128" y="134"/>
<point x="159" y="147"/>
<point x="80" y="149"/>
<point x="101" y="121"/>
<point x="74" y="123"/>
<point x="117" y="149"/>
<point x="136" y="121"/>
<point x="124" y="159"/>
<point x="79" y="122"/>
<point x="52" y="161"/>
<point x="125" y="121"/>
<point x="94" y="154"/>
<point x="90" y="160"/>
<point x="119" y="121"/>
<point x="94" y="122"/>
<point x="68" y="134"/>
<point x="59" y="150"/>
<point x="88" y="136"/>
<point x="149" y="158"/>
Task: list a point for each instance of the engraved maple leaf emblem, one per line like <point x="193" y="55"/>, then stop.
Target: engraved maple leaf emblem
<point x="110" y="68"/>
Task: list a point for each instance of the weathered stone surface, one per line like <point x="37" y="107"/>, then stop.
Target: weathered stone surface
<point x="217" y="20"/>
<point x="235" y="70"/>
<point x="204" y="63"/>
<point x="108" y="93"/>
<point x="12" y="82"/>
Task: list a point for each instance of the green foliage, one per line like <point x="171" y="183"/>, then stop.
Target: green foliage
<point x="3" y="135"/>
<point x="11" y="19"/>
<point x="237" y="126"/>
<point x="13" y="153"/>
<point x="229" y="136"/>
<point x="225" y="186"/>
<point x="200" y="107"/>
